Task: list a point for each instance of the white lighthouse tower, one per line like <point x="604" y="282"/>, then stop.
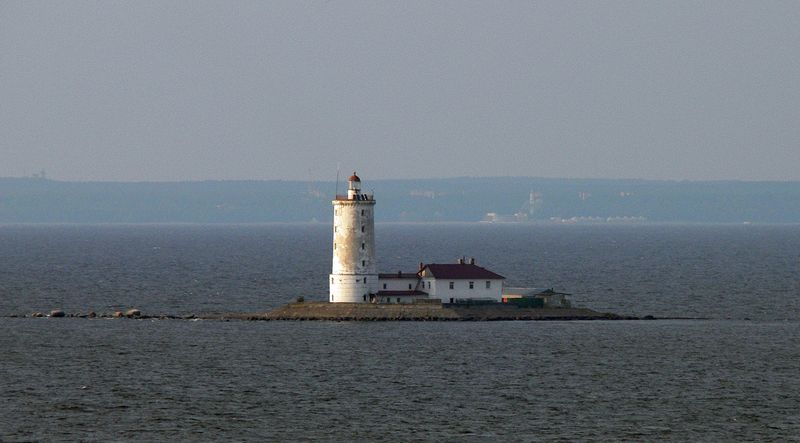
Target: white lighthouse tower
<point x="353" y="275"/>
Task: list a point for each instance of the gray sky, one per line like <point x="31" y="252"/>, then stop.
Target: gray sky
<point x="171" y="90"/>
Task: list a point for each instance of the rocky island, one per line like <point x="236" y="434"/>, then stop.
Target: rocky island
<point x="426" y="312"/>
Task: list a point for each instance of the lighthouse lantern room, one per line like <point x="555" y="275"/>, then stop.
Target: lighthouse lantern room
<point x="353" y="277"/>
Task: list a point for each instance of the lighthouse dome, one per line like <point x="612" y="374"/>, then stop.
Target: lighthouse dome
<point x="354" y="178"/>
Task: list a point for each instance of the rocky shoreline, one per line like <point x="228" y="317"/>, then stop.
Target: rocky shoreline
<point x="129" y="313"/>
<point x="324" y="311"/>
<point x="430" y="312"/>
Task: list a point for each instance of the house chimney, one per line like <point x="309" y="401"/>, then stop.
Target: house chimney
<point x="421" y="266"/>
<point x="472" y="260"/>
<point x="461" y="261"/>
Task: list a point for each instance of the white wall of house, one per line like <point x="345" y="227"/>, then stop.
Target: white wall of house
<point x="405" y="299"/>
<point x="440" y="288"/>
<point x="397" y="284"/>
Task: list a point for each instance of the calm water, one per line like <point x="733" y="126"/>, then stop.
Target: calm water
<point x="733" y="376"/>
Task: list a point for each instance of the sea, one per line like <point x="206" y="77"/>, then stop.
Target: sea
<point x="722" y="362"/>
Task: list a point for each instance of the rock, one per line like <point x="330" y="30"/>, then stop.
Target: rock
<point x="57" y="313"/>
<point x="91" y="314"/>
<point x="117" y="314"/>
<point x="37" y="315"/>
<point x="131" y="313"/>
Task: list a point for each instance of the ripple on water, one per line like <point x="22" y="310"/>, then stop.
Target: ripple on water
<point x="80" y="379"/>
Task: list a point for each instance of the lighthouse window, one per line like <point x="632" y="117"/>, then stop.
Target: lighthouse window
<point x="472" y="285"/>
<point x="362" y="246"/>
<point x="334" y="229"/>
<point x="452" y="284"/>
<point x="363" y="263"/>
<point x="334" y="246"/>
<point x="365" y="279"/>
<point x="362" y="228"/>
<point x="362" y="212"/>
<point x="364" y="297"/>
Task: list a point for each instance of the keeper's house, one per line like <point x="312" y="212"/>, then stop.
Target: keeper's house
<point x="451" y="283"/>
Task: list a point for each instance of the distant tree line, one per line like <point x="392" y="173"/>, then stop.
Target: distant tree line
<point x="39" y="200"/>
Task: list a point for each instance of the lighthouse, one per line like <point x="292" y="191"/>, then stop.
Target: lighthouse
<point x="353" y="277"/>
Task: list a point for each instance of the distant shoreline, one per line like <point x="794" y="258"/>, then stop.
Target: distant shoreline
<point x="450" y="200"/>
<point x="393" y="223"/>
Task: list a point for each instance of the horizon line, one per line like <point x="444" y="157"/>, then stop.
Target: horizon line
<point x="461" y="177"/>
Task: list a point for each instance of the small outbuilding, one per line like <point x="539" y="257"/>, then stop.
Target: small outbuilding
<point x="533" y="297"/>
<point x="399" y="297"/>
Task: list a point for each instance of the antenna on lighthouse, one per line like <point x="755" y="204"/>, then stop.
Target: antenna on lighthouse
<point x="338" y="166"/>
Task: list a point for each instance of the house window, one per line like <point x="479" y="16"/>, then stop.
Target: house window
<point x="362" y="212"/>
<point x="488" y="284"/>
<point x="452" y="284"/>
<point x="362" y="228"/>
<point x="429" y="285"/>
<point x="472" y="285"/>
<point x="363" y="263"/>
<point x="409" y="286"/>
<point x="398" y="299"/>
<point x="364" y="297"/>
<point x="384" y="286"/>
<point x="365" y="279"/>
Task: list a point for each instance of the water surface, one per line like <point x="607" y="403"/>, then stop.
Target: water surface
<point x="732" y="377"/>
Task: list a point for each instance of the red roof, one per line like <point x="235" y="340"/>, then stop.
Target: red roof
<point x="459" y="271"/>
<point x="354" y="178"/>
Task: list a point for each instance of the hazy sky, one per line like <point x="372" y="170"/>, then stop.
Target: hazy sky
<point x="171" y="90"/>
